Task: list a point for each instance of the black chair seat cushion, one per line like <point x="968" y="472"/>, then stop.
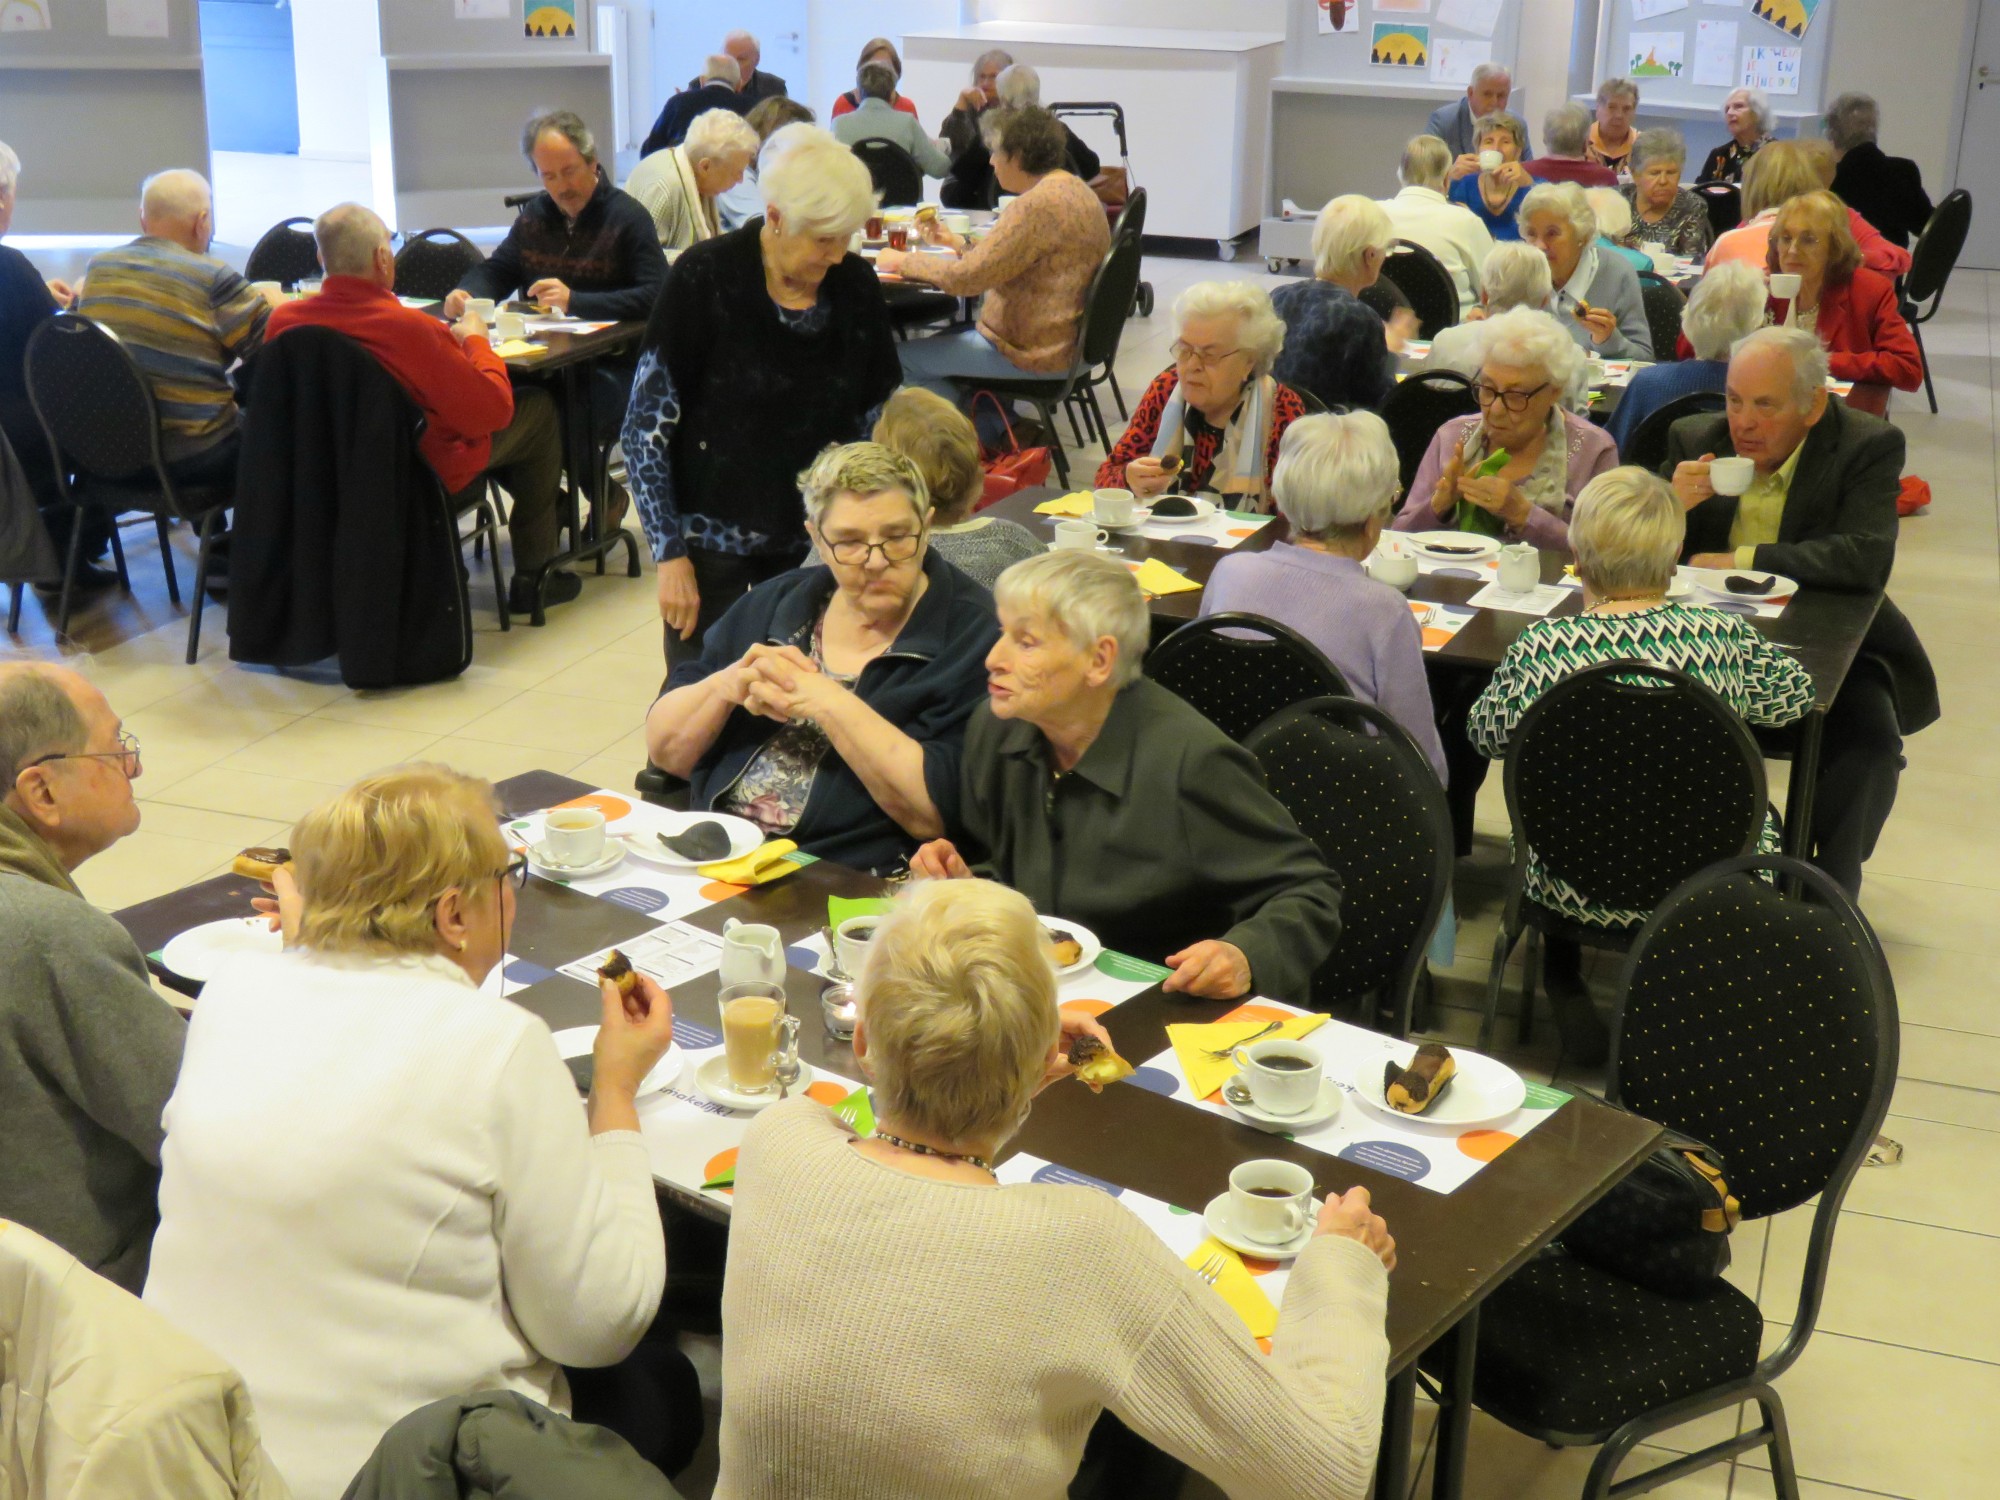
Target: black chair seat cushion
<point x="1566" y="1349"/>
<point x="147" y="497"/>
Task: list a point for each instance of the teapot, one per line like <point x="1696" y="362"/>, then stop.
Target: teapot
<point x="751" y="952"/>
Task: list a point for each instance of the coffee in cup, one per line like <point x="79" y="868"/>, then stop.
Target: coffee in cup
<point x="1731" y="476"/>
<point x="574" y="836"/>
<point x="1080" y="534"/>
<point x="850" y="943"/>
<point x="1282" y="1075"/>
<point x="1113" y="507"/>
<point x="752" y="1017"/>
<point x="1270" y="1200"/>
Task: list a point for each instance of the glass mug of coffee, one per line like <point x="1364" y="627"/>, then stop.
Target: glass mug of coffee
<point x="1282" y="1075"/>
<point x="1271" y="1200"/>
<point x="757" y="1034"/>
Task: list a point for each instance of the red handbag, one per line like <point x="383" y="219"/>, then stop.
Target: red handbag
<point x="1011" y="468"/>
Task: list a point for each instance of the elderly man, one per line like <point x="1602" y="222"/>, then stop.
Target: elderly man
<point x="475" y="424"/>
<point x="961" y="126"/>
<point x="876" y="118"/>
<point x="1423" y="215"/>
<point x="88" y="1051"/>
<point x="1565" y="140"/>
<point x="755" y="85"/>
<point x="1822" y="512"/>
<point x="1456" y="123"/>
<point x="715" y="89"/>
<point x="971" y="183"/>
<point x="1887" y="191"/>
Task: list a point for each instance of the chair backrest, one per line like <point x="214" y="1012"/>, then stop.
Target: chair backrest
<point x="1938" y="247"/>
<point x="286" y="254"/>
<point x="1239" y="669"/>
<point x="1107" y="304"/>
<point x="1648" y="446"/>
<point x="433" y="261"/>
<point x="1365" y="794"/>
<point x="1724" y="202"/>
<point x="92" y="399"/>
<point x="1422" y="278"/>
<point x="1420" y="404"/>
<point x="1664" y="308"/>
<point x="1132" y="217"/>
<point x="893" y="170"/>
<point x="1626" y="778"/>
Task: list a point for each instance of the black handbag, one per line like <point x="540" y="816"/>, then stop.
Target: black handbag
<point x="1666" y="1226"/>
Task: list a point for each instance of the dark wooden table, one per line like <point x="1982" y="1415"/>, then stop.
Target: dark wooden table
<point x="1453" y="1249"/>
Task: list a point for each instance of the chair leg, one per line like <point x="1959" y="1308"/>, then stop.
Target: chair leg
<point x="167" y="560"/>
<point x="70" y="556"/>
<point x="1048" y="415"/>
<point x="489" y="531"/>
<point x="1530" y="962"/>
<point x="1117" y="395"/>
<point x="118" y="557"/>
<point x="200" y="585"/>
<point x="1784" y="1472"/>
<point x="1097" y="414"/>
<point x="1503" y="944"/>
<point x="14" y="611"/>
<point x="1925" y="355"/>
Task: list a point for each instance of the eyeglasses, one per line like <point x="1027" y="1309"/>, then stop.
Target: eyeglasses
<point x="516" y="873"/>
<point x="1512" y="400"/>
<point x="894" y="549"/>
<point x="127" y="754"/>
<point x="1185" y="353"/>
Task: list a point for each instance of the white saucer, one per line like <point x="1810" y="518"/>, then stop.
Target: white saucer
<point x="539" y="862"/>
<point x="197" y="953"/>
<point x="1483" y="1091"/>
<point x="1141" y="514"/>
<point x="1324" y="1108"/>
<point x="580" y="1041"/>
<point x="1088" y="939"/>
<point x="1104" y="547"/>
<point x="642" y="836"/>
<point x="1221" y="1223"/>
<point x="712" y="1079"/>
<point x="1203" y="510"/>
<point x="1455" y="546"/>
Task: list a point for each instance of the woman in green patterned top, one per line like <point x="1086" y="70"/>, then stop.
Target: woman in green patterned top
<point x="1626" y="532"/>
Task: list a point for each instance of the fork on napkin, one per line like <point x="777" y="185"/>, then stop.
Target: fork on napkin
<point x="1195" y="1046"/>
<point x="1236" y="1286"/>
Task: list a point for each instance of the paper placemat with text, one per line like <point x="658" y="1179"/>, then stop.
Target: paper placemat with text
<point x="1224" y="529"/>
<point x="662" y="892"/>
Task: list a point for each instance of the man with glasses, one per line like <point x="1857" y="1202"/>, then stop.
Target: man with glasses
<point x="88" y="1051"/>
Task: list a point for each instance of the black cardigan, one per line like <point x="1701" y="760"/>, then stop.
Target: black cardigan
<point x="610" y="258"/>
<point x="758" y="399"/>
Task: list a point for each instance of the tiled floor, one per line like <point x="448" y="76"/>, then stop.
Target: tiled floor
<point x="1892" y="1395"/>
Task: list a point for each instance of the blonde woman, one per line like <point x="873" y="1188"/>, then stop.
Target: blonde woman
<point x="377" y="1188"/>
<point x="999" y="1322"/>
<point x="939" y="439"/>
<point x="1785" y="170"/>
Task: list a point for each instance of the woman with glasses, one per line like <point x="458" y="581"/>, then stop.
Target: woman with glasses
<point x="1851" y="308"/>
<point x="829" y="704"/>
<point x="1213" y="419"/>
<point x="375" y="1190"/>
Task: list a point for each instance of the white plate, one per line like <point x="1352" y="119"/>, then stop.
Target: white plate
<point x="643" y="840"/>
<point x="1220" y="1221"/>
<point x="579" y="1041"/>
<point x="1091" y="946"/>
<point x="712" y="1079"/>
<point x="1430" y="543"/>
<point x="1236" y="1094"/>
<point x="542" y="865"/>
<point x="197" y="953"/>
<point x="1203" y="510"/>
<point x="1482" y="1091"/>
<point x="1711" y="581"/>
<point x="1680" y="586"/>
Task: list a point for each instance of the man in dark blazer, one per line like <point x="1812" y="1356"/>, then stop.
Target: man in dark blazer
<point x="1887" y="191"/>
<point x="1822" y="512"/>
<point x="715" y="89"/>
<point x="752" y="82"/>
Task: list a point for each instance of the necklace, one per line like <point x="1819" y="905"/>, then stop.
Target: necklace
<point x="1642" y="601"/>
<point x="921" y="1150"/>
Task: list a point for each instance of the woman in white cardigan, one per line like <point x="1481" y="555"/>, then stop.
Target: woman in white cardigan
<point x="679" y="186"/>
<point x="377" y="1189"/>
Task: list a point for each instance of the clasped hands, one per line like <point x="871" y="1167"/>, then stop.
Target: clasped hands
<point x="777" y="682"/>
<point x="1497" y="496"/>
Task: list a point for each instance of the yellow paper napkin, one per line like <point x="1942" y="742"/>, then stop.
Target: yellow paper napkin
<point x="1193" y="1043"/>
<point x="1076" y="503"/>
<point x="1237" y="1287"/>
<point x="760" y="866"/>
<point x="1156" y="578"/>
<point x="519" y="349"/>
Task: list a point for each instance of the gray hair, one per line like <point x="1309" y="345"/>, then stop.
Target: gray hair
<point x="815" y="183"/>
<point x="993" y="56"/>
<point x="1260" y="331"/>
<point x="1019" y="86"/>
<point x="1513" y="124"/>
<point x="1086" y="596"/>
<point x="37" y="718"/>
<point x="1662" y="143"/>
<point x="1426" y="161"/>
<point x="1807" y="354"/>
<point x="1564" y="198"/>
<point x="720" y="67"/>
<point x="1345" y="231"/>
<point x="348" y="235"/>
<point x="1531" y="339"/>
<point x="718" y="134"/>
<point x="1851" y="120"/>
<point x="177" y="193"/>
<point x="1336" y="472"/>
<point x="1760" y="106"/>
<point x="864" y="470"/>
<point x="566" y="123"/>
<point x="10" y="168"/>
<point x="1617" y="88"/>
<point x="744" y="36"/>
<point x="1486" y="72"/>
<point x="1727" y="306"/>
<point x="875" y="80"/>
<point x="1566" y="129"/>
<point x="1515" y="275"/>
<point x="1626" y="531"/>
<point x="1611" y="210"/>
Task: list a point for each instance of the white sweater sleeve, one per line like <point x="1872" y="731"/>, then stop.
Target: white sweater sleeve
<point x="583" y="1257"/>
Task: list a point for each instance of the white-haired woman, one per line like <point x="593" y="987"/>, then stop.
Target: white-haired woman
<point x="1001" y="1320"/>
<point x="1627" y="534"/>
<point x="1104" y="798"/>
<point x="829" y="704"/>
<point x="1337" y="348"/>
<point x="767" y="344"/>
<point x="1727" y="305"/>
<point x="1614" y="226"/>
<point x="679" y="185"/>
<point x="1217" y="409"/>
<point x="1611" y="137"/>
<point x="1493" y="197"/>
<point x="1597" y="296"/>
<point x="1337" y="486"/>
<point x="1422" y="213"/>
<point x="1747" y="113"/>
<point x="1513" y="275"/>
<point x="961" y="124"/>
<point x="1663" y="212"/>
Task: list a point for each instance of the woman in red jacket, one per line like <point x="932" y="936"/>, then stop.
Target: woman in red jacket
<point x="1851" y="308"/>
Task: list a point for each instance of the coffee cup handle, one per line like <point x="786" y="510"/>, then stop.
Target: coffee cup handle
<point x="1103" y="536"/>
<point x="1295" y="1217"/>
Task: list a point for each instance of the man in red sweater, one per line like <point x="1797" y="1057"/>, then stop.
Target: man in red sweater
<point x="476" y="423"/>
<point x="1565" y="144"/>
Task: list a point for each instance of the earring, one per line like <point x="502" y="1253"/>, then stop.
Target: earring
<point x="461" y="945"/>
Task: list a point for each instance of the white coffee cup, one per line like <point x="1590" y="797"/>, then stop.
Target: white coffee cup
<point x="482" y="308"/>
<point x="310" y="287"/>
<point x="1731" y="476"/>
<point x="1397" y="569"/>
<point x="958" y="223"/>
<point x="1520" y="568"/>
<point x="574" y="836"/>
<point x="1663" y="260"/>
<point x="850" y="942"/>
<point x="1113" y="507"/>
<point x="1270" y="1200"/>
<point x="1491" y="161"/>
<point x="1080" y="534"/>
<point x="1282" y="1075"/>
<point x="510" y="325"/>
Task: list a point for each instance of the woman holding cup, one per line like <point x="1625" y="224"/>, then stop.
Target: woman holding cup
<point x="1494" y="194"/>
<point x="1852" y="310"/>
<point x="945" y="1272"/>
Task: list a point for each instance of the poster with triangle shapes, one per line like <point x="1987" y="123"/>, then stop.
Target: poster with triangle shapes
<point x="551" y="19"/>
<point x="1790" y="16"/>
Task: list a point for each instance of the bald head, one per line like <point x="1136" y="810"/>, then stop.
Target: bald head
<point x="743" y="47"/>
<point x="177" y="205"/>
<point x="353" y="241"/>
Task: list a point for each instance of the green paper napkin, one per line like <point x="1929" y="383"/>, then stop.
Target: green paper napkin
<point x="857" y="1110"/>
<point x="844" y="908"/>
<point x="726" y="1178"/>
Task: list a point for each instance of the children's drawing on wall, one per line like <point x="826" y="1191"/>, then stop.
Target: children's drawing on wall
<point x="1398" y="45"/>
<point x="1789" y="16"/>
<point x="551" y="18"/>
<point x="1656" y="54"/>
<point x="1340" y="16"/>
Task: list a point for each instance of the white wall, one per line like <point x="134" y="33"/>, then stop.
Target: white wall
<point x="835" y="30"/>
<point x="1912" y="55"/>
<point x="336" y="49"/>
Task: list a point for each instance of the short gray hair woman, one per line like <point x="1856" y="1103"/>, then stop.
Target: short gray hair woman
<point x="1626" y="531"/>
<point x="1426" y="163"/>
<point x="1512" y="275"/>
<point x="679" y="186"/>
<point x="1852" y="120"/>
<point x="1597" y="291"/>
<point x="1665" y="214"/>
<point x="1610" y="140"/>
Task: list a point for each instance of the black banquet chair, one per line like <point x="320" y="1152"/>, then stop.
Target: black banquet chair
<point x="1766" y="1027"/>
<point x="96" y="408"/>
<point x="1366" y="795"/>
<point x="1931" y="264"/>
<point x="1648" y="445"/>
<point x="892" y="169"/>
<point x="1624" y="779"/>
<point x="1103" y="329"/>
<point x="1421" y="403"/>
<point x="432" y="262"/>
<point x="1665" y="307"/>
<point x="1239" y="669"/>
<point x="1724" y="202"/>
<point x="1421" y="277"/>
<point x="286" y="254"/>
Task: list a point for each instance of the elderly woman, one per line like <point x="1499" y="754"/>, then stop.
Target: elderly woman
<point x="26" y="301"/>
<point x="1597" y="296"/>
<point x="1565" y="150"/>
<point x="679" y="185"/>
<point x="1627" y="534"/>
<point x="487" y="1230"/>
<point x="1217" y="409"/>
<point x="1852" y="309"/>
<point x="1785" y="170"/>
<point x="829" y="705"/>
<point x="961" y="125"/>
<point x="1514" y="275"/>
<point x="1422" y="213"/>
<point x="1613" y="212"/>
<point x="1887" y="191"/>
<point x="1663" y="212"/>
<point x="1611" y="139"/>
<point x="1336" y="486"/>
<point x="877" y="49"/>
<point x="767" y="344"/>
<point x="972" y="182"/>
<point x="975" y="1386"/>
<point x="1495" y="197"/>
<point x="1727" y="305"/>
<point x="1337" y="348"/>
<point x="939" y="439"/>
<point x="1106" y="799"/>
<point x="1034" y="268"/>
<point x="1747" y="113"/>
